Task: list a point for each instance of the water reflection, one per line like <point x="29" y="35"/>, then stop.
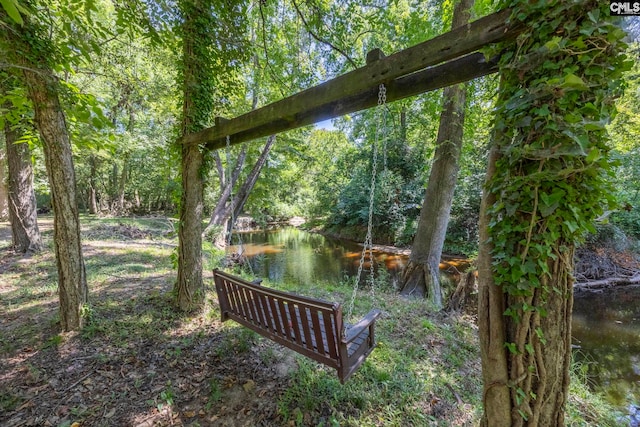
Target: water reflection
<point x="606" y="328"/>
<point x="295" y="255"/>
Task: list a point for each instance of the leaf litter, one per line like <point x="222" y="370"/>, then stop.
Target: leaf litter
<point x="136" y="363"/>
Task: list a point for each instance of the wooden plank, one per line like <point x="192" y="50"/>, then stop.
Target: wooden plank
<point x="264" y="313"/>
<point x="304" y="321"/>
<point x="287" y="113"/>
<point x="332" y="335"/>
<point x="233" y="297"/>
<point x="319" y="333"/>
<point x="277" y="317"/>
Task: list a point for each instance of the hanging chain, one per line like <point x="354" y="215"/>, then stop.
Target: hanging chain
<point x="382" y="103"/>
<point x="368" y="244"/>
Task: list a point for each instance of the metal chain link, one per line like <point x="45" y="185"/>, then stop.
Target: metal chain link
<point x="368" y="244"/>
<point x="382" y="101"/>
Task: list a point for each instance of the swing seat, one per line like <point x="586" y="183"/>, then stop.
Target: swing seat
<point x="308" y="326"/>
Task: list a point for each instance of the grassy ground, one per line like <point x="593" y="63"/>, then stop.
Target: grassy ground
<point x="139" y="362"/>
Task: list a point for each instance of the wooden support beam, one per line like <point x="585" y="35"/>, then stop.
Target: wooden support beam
<point x="460" y="70"/>
<point x="352" y="91"/>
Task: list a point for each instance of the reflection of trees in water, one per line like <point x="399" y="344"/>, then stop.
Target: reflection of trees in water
<point x="606" y="327"/>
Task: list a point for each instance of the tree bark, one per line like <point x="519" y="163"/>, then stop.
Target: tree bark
<point x="4" y="195"/>
<point x="188" y="287"/>
<point x="223" y="211"/>
<point x="543" y="371"/>
<point x="541" y="178"/>
<point x="42" y="89"/>
<point x="421" y="276"/>
<point x="93" y="196"/>
<point x="189" y="283"/>
<point x="23" y="213"/>
<point x="491" y="305"/>
<point x="122" y="182"/>
<point x="252" y="178"/>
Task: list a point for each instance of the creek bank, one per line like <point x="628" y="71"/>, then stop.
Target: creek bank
<point x="601" y="267"/>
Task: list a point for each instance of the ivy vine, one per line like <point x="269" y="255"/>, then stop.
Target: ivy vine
<point x="552" y="169"/>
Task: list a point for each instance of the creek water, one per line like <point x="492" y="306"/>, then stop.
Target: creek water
<point x="606" y="339"/>
<point x="606" y="325"/>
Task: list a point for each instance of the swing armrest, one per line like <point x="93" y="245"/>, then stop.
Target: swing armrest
<point x="355" y="330"/>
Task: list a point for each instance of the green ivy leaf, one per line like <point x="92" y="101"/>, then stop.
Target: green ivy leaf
<point x="574" y="82"/>
<point x="11" y="7"/>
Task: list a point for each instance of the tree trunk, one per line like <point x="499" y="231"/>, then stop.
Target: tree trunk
<point x="22" y="198"/>
<point x="4" y="197"/>
<point x="50" y="121"/>
<point x="465" y="297"/>
<point x="491" y="306"/>
<point x="223" y="211"/>
<point x="543" y="370"/>
<point x="421" y="276"/>
<point x="189" y="282"/>
<point x="220" y="213"/>
<point x="123" y="182"/>
<point x="547" y="179"/>
<point x="250" y="182"/>
<point x="195" y="111"/>
<point x="93" y="197"/>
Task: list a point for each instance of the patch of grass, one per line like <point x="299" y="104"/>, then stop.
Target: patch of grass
<point x="238" y="340"/>
<point x="53" y="342"/>
<point x="586" y="408"/>
<point x="215" y="393"/>
<point x="9" y="401"/>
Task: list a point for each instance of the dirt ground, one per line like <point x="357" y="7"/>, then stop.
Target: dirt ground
<point x="188" y="373"/>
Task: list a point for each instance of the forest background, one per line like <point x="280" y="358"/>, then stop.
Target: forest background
<point x="121" y="96"/>
<point x="122" y="100"/>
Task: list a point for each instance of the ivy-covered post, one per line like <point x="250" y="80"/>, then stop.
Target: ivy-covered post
<point x="547" y="182"/>
<point x="196" y="75"/>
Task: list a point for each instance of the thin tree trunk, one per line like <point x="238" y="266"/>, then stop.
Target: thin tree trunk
<point x="93" y="197"/>
<point x="50" y="120"/>
<point x="221" y="208"/>
<point x="124" y="176"/>
<point x="22" y="197"/>
<point x="4" y="197"/>
<point x="223" y="211"/>
<point x="250" y="182"/>
<point x="421" y="276"/>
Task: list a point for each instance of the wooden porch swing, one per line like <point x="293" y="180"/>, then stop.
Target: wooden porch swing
<point x="311" y="327"/>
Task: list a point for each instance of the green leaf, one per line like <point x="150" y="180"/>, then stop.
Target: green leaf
<point x="572" y="81"/>
<point x="550" y="202"/>
<point x="11" y="7"/>
<point x="593" y="155"/>
<point x="512" y="347"/>
<point x="529" y="348"/>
